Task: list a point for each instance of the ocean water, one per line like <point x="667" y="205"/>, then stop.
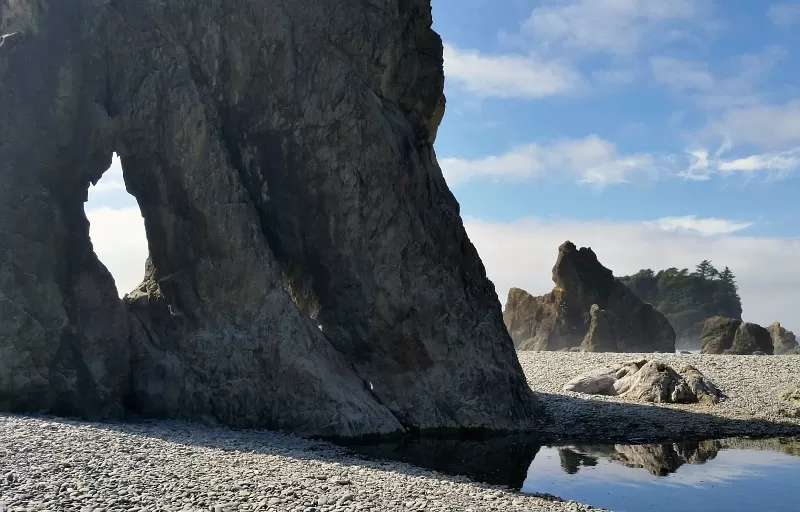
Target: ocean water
<point x="727" y="475"/>
<point x="731" y="475"/>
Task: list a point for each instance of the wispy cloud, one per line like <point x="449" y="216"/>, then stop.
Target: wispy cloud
<point x="784" y="14"/>
<point x="607" y="26"/>
<point x="780" y="162"/>
<point x="508" y="75"/>
<point x="682" y="75"/>
<point x="591" y="160"/>
<point x="703" y="166"/>
<point x="738" y="86"/>
<point x="702" y="226"/>
<point x="769" y="127"/>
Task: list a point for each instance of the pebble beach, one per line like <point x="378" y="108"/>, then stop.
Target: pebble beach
<point x="56" y="464"/>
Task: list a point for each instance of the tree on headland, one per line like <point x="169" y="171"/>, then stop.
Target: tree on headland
<point x="705" y="269"/>
<point x="687" y="298"/>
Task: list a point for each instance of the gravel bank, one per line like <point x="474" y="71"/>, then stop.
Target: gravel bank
<point x="157" y="466"/>
<point x="752" y="384"/>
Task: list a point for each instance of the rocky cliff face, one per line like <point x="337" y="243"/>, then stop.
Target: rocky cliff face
<point x="308" y="266"/>
<point x="730" y="336"/>
<point x="783" y="341"/>
<point x="588" y="308"/>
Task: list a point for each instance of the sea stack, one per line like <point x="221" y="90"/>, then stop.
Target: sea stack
<point x="308" y="270"/>
<point x="588" y="308"/>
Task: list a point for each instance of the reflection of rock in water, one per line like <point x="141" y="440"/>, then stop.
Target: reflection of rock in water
<point x="571" y="461"/>
<point x="658" y="459"/>
<point x="499" y="461"/>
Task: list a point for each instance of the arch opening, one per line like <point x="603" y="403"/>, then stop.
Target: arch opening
<point x="116" y="228"/>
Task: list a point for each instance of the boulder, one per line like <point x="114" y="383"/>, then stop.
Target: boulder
<point x="751" y="338"/>
<point x="790" y="406"/>
<point x="648" y="381"/>
<point x="783" y="341"/>
<point x="308" y="267"/>
<point x="588" y="308"/>
<point x="723" y="335"/>
<point x="718" y="334"/>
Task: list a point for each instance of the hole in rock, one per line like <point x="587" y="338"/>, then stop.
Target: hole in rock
<point x="116" y="228"/>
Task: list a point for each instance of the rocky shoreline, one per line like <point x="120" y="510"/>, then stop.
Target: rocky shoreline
<point x="753" y="385"/>
<point x="55" y="464"/>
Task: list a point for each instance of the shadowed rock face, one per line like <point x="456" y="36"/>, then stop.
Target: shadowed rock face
<point x="718" y="334"/>
<point x="783" y="341"/>
<point x="722" y="335"/>
<point x="588" y="308"/>
<point x="308" y="266"/>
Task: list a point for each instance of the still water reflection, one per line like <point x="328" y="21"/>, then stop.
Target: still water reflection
<point x="738" y="474"/>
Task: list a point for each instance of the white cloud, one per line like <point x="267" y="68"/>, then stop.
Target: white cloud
<point x="769" y="127"/>
<point x="776" y="164"/>
<point x="739" y="86"/>
<point x="620" y="27"/>
<point x="702" y="226"/>
<point x="508" y="76"/>
<point x="591" y="160"/>
<point x="117" y="229"/>
<point x="781" y="161"/>
<point x="119" y="241"/>
<point x="522" y="254"/>
<point x="681" y="75"/>
<point x="784" y="14"/>
<point x="112" y="179"/>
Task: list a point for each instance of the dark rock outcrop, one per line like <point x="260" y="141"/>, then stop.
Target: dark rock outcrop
<point x="308" y="266"/>
<point x="718" y="334"/>
<point x="588" y="308"/>
<point x="730" y="336"/>
<point x="751" y="338"/>
<point x="783" y="341"/>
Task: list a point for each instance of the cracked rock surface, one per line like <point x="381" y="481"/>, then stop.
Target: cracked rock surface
<point x="308" y="266"/>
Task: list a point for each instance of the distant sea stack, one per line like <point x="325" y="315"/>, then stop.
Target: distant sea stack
<point x="588" y="309"/>
<point x="722" y="335"/>
<point x="783" y="341"/>
<point x="308" y="270"/>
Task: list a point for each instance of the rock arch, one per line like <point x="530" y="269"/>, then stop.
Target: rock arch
<point x="308" y="266"/>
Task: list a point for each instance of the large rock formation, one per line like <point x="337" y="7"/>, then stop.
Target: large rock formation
<point x="722" y="335"/>
<point x="308" y="266"/>
<point x="783" y="341"/>
<point x="588" y="308"/>
<point x="718" y="334"/>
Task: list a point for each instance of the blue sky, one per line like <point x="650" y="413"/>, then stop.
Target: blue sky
<point x="658" y="132"/>
<point x="625" y="96"/>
